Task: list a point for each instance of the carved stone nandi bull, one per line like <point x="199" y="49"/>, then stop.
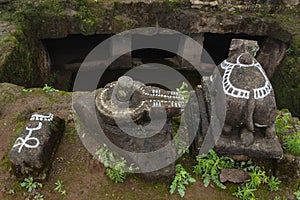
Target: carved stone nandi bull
<point x="249" y="94"/>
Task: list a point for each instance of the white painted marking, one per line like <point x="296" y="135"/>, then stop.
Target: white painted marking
<point x="23" y="142"/>
<point x="37" y="117"/>
<point x="231" y="90"/>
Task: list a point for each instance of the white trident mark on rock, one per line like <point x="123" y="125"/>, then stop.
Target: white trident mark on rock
<point x="23" y="142"/>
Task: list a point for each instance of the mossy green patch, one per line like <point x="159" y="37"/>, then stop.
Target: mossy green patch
<point x="21" y="64"/>
<point x="91" y="16"/>
<point x="286" y="80"/>
<point x="124" y="22"/>
<point x="71" y="133"/>
<point x="8" y="41"/>
<point x="5" y="163"/>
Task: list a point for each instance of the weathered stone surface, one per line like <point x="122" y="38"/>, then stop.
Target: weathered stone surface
<point x="32" y="151"/>
<point x="260" y="148"/>
<point x="249" y="94"/>
<point x="165" y="174"/>
<point x="205" y="2"/>
<point x="199" y="110"/>
<point x="290" y="3"/>
<point x="145" y="145"/>
<point x="271" y="54"/>
<point x="23" y="60"/>
<point x="94" y="132"/>
<point x="8" y="41"/>
<point x="288" y="169"/>
<point x="234" y="175"/>
<point x="127" y="99"/>
<point x="4" y="1"/>
<point x="47" y="23"/>
<point x="9" y="94"/>
<point x="250" y="106"/>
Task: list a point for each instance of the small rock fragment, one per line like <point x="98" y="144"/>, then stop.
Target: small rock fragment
<point x="233" y="175"/>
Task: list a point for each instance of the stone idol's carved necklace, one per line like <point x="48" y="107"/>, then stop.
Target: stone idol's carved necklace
<point x="231" y="90"/>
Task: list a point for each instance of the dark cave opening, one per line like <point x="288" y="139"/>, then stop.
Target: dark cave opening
<point x="67" y="54"/>
<point x="217" y="45"/>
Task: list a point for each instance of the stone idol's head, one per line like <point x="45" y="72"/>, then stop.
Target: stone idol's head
<point x="239" y="46"/>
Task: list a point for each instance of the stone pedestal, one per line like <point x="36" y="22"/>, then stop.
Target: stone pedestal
<point x="261" y="148"/>
<point x="94" y="132"/>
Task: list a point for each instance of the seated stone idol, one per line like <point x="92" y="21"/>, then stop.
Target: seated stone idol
<point x="250" y="98"/>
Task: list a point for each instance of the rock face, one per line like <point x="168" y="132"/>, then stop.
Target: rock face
<point x="32" y="151"/>
<point x="271" y="55"/>
<point x="288" y="168"/>
<point x="22" y="60"/>
<point x="9" y="93"/>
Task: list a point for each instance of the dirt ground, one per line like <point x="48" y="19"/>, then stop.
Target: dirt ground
<point x="83" y="177"/>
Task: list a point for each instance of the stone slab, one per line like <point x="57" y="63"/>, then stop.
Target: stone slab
<point x="32" y="151"/>
<point x="261" y="148"/>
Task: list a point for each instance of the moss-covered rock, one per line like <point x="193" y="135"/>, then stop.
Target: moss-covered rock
<point x="23" y="58"/>
<point x="286" y="80"/>
<point x="23" y="61"/>
<point x="9" y="93"/>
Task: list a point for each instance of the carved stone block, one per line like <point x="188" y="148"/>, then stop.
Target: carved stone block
<point x="32" y="151"/>
<point x="250" y="105"/>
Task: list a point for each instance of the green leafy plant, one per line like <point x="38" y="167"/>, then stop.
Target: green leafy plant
<point x="209" y="167"/>
<point x="286" y="128"/>
<point x="245" y="193"/>
<point x="274" y="183"/>
<point x="59" y="187"/>
<point x="48" y="88"/>
<point x="105" y="155"/>
<point x="38" y="196"/>
<point x="30" y="184"/>
<point x="257" y="176"/>
<point x="116" y="168"/>
<point x="283" y="122"/>
<point x="277" y="198"/>
<point x="181" y="180"/>
<point x="292" y="143"/>
<point x="244" y="164"/>
<point x="297" y="194"/>
<point x="183" y="91"/>
<point x="115" y="175"/>
<point x="26" y="90"/>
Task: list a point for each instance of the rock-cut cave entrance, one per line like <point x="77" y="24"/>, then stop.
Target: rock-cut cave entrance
<point x="65" y="55"/>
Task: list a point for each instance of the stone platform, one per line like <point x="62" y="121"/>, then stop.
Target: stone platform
<point x="261" y="148"/>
